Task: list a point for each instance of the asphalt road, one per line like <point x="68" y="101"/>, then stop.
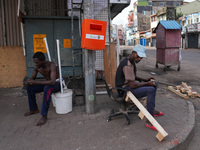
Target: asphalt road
<point x="190" y="56"/>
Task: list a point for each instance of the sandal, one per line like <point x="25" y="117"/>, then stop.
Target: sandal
<point x="159" y="114"/>
<point x="151" y="127"/>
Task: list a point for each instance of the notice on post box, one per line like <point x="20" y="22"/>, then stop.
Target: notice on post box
<point x="67" y="43"/>
<point x="93" y="36"/>
<point x="38" y="43"/>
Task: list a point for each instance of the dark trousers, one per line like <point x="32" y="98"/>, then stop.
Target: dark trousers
<point x="145" y="91"/>
<point x="48" y="90"/>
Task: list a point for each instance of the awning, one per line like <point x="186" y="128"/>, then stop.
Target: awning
<point x="117" y="6"/>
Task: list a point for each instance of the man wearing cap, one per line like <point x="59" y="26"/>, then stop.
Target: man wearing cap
<point x="126" y="78"/>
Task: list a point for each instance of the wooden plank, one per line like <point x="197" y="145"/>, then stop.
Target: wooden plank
<point x="106" y="64"/>
<point x="189" y="90"/>
<point x="127" y="98"/>
<point x="113" y="62"/>
<point x="189" y="93"/>
<point x="102" y="86"/>
<point x="160" y="136"/>
<point x="178" y="93"/>
<point x="148" y="116"/>
<point x="194" y="93"/>
<point x="186" y="86"/>
<point x="101" y="92"/>
<point x="183" y="90"/>
<point x="198" y="95"/>
<point x="178" y="87"/>
<point x="141" y="115"/>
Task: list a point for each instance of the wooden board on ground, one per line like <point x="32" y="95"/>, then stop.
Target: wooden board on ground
<point x="186" y="86"/>
<point x="198" y="95"/>
<point x="143" y="112"/>
<point x="184" y="91"/>
<point x="193" y="94"/>
<point x="178" y="87"/>
<point x="178" y="93"/>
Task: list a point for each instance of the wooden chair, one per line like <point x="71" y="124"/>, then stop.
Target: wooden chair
<point x="119" y="95"/>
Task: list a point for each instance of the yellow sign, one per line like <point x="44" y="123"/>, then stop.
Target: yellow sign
<point x="67" y="43"/>
<point x="38" y="43"/>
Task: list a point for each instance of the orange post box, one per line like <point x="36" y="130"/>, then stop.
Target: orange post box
<point x="93" y="34"/>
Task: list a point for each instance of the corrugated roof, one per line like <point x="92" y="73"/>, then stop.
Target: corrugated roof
<point x="170" y="24"/>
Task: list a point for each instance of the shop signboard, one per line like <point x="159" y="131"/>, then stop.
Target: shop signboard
<point x="192" y="28"/>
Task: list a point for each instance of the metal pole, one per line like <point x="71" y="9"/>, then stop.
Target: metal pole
<point x="89" y="56"/>
<point x="23" y="42"/>
<point x="18" y="7"/>
<point x="118" y="48"/>
<point x="72" y="47"/>
<point x="48" y="53"/>
<point x="22" y="28"/>
<point x="59" y="65"/>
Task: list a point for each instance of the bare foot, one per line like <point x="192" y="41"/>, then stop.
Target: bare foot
<point x="31" y="113"/>
<point x="42" y="121"/>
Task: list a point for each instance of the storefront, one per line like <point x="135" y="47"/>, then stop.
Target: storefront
<point x="193" y="36"/>
<point x="148" y="39"/>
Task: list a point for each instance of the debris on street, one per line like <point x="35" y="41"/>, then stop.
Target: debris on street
<point x="184" y="91"/>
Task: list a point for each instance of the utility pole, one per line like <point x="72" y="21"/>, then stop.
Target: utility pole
<point x="89" y="57"/>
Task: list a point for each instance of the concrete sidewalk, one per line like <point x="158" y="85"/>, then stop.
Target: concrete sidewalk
<point x="80" y="131"/>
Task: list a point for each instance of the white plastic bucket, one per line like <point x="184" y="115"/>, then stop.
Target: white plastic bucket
<point x="63" y="101"/>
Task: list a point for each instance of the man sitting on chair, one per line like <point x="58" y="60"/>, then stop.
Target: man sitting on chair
<point x="126" y="78"/>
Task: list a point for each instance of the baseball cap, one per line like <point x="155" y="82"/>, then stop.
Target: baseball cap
<point x="140" y="50"/>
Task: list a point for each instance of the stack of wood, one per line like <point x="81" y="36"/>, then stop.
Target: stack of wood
<point x="184" y="91"/>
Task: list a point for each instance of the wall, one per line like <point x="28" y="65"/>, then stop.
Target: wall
<point x="10" y="32"/>
<point x="171" y="13"/>
<point x="12" y="66"/>
<point x="143" y="19"/>
<point x="185" y="9"/>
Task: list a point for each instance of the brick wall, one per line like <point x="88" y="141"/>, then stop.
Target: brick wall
<point x="12" y="66"/>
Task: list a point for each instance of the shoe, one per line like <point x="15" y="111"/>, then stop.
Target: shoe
<point x="159" y="114"/>
<point x="151" y="127"/>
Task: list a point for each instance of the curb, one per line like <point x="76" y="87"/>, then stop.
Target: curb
<point x="183" y="139"/>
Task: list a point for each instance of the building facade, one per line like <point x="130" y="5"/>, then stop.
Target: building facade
<point x="121" y="34"/>
<point x="153" y="22"/>
<point x="145" y="19"/>
<point x="190" y="21"/>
